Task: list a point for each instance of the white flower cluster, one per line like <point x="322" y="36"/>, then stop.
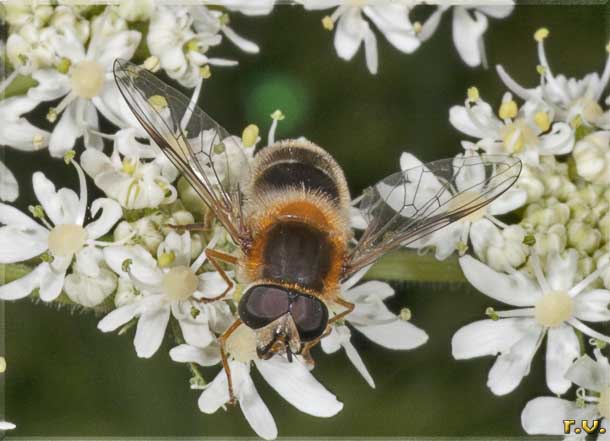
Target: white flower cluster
<point x="548" y="258"/>
<point x="124" y="254"/>
<point x="392" y="18"/>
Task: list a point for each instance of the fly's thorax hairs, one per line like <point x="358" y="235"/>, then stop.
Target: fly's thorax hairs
<point x="299" y="164"/>
<point x="298" y="237"/>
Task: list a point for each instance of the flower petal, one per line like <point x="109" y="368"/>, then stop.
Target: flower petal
<point x="66" y="131"/>
<point x="9" y="189"/>
<point x="592" y="306"/>
<point x="295" y="384"/>
<point x="150" y="331"/>
<point x="488" y="337"/>
<point x="510" y="368"/>
<point x="22" y="287"/>
<point x="349" y="33"/>
<point x="111" y="213"/>
<point x="467" y="34"/>
<point x="512" y="199"/>
<point x="545" y="415"/>
<point x="118" y="317"/>
<point x="395" y="334"/>
<point x="196" y="333"/>
<point x="562" y="348"/>
<point x="52" y="277"/>
<point x="392" y="19"/>
<point x="208" y="356"/>
<point x="561" y="270"/>
<point x="513" y="289"/>
<point x="589" y="374"/>
<point x="216" y="394"/>
<point x="255" y="410"/>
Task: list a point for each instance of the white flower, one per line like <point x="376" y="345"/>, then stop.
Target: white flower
<point x="86" y="84"/>
<point x="592" y="157"/>
<point x="470" y="184"/>
<point x="527" y="132"/>
<point x="500" y="249"/>
<point x="540" y="415"/>
<point x="551" y="305"/>
<point x="180" y="49"/>
<point x="136" y="10"/>
<point x="30" y="49"/>
<point x="573" y="101"/>
<point x="9" y="189"/>
<point x="133" y="183"/>
<point x="373" y="319"/>
<point x="205" y="20"/>
<point x="169" y="285"/>
<point x="292" y="380"/>
<point x="90" y="281"/>
<point x="469" y="25"/>
<point x="392" y="19"/>
<point x="22" y="238"/>
<point x="18" y="132"/>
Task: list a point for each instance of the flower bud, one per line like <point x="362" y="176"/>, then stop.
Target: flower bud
<point x="583" y="237"/>
<point x="592" y="157"/>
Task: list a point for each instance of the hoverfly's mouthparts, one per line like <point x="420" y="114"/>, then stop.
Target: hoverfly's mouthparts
<point x="279" y="337"/>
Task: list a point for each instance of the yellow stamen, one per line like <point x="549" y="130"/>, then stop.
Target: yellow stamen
<point x="473" y="94"/>
<point x="542" y="120"/>
<point x="541" y="34"/>
<point x="250" y="135"/>
<point x="508" y="109"/>
<point x="327" y="23"/>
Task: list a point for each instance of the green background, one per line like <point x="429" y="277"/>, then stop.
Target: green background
<point x="66" y="378"/>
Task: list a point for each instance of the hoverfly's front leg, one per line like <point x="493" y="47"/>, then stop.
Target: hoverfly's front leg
<point x="349" y="308"/>
<point x="223" y="355"/>
<point x="214" y="256"/>
<point x="305" y="352"/>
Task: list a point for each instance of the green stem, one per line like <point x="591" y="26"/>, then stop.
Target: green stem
<point x="408" y="266"/>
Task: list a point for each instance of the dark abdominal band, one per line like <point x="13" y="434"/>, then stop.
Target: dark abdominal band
<point x="283" y="175"/>
<point x="297" y="253"/>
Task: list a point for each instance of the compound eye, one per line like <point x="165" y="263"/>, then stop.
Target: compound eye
<point x="310" y="315"/>
<point x="263" y="304"/>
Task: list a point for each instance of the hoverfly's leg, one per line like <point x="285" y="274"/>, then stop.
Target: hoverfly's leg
<point x="190" y="227"/>
<point x="223" y="355"/>
<point x="305" y="352"/>
<point x="214" y="256"/>
<point x="350" y="307"/>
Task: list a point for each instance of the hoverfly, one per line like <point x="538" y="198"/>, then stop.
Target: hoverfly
<point x="288" y="213"/>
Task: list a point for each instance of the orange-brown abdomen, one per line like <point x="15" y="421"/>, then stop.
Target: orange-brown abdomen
<point x="297" y="207"/>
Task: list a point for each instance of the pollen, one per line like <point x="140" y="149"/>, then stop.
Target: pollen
<point x="553" y="309"/>
<point x="179" y="283"/>
<point x="327" y="23"/>
<point x="542" y="120"/>
<point x="158" y="102"/>
<point x="508" y="109"/>
<point x="541" y="34"/>
<point x="88" y="79"/>
<point x="66" y="239"/>
<point x="250" y="135"/>
<point x="473" y="94"/>
<point x="205" y="72"/>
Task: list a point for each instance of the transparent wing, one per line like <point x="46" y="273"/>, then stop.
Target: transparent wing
<point x="408" y="206"/>
<point x="208" y="157"/>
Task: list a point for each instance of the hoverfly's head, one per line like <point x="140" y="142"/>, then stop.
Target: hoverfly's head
<point x="283" y="318"/>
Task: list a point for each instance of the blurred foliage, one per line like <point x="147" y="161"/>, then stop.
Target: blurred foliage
<point x="65" y="378"/>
